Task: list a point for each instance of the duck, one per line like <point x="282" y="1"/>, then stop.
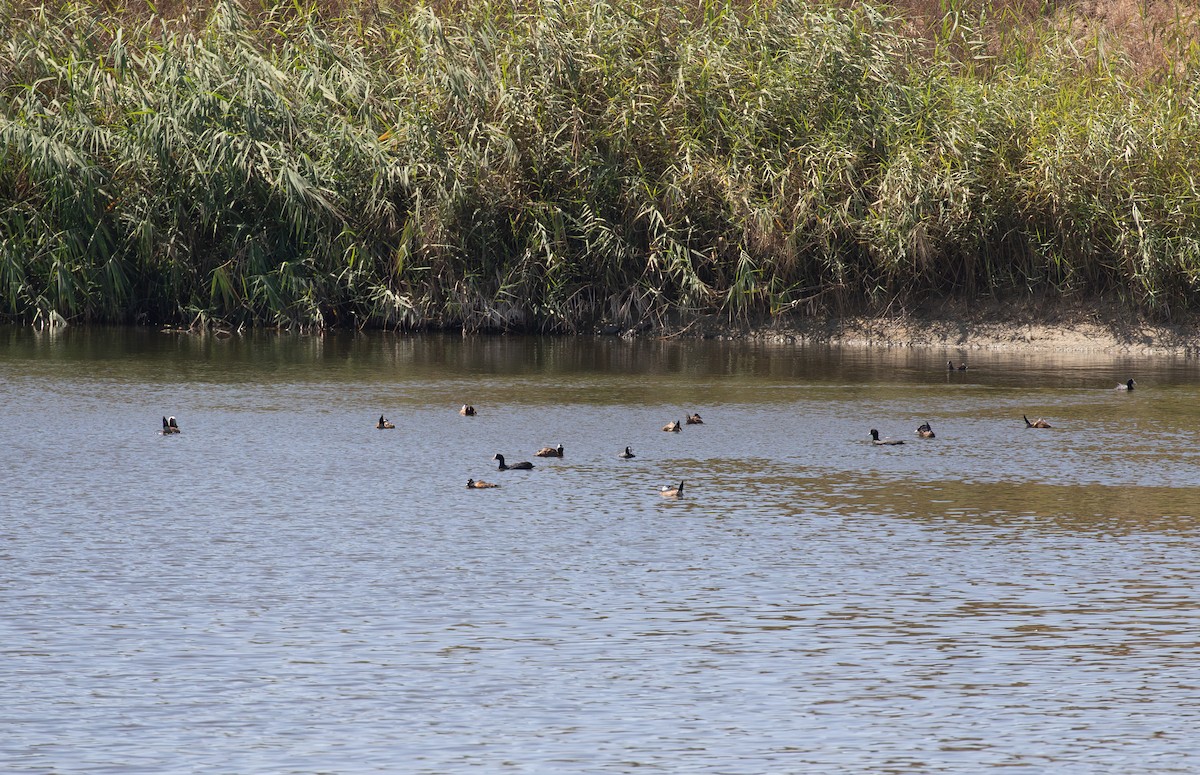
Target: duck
<point x="694" y="419"/>
<point x="1038" y="423"/>
<point x="523" y="466"/>
<point x="627" y="454"/>
<point x="925" y="431"/>
<point x="672" y="427"/>
<point x="467" y="410"/>
<point x="1128" y="385"/>
<point x="550" y="451"/>
<point x="671" y="492"/>
<point x="170" y="426"/>
<point x="951" y="367"/>
<point x="383" y="424"/>
<point x="480" y="485"/>
<point x="883" y="442"/>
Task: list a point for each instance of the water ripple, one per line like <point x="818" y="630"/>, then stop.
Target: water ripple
<point x="281" y="588"/>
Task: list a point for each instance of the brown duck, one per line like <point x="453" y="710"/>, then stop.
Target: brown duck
<point x="671" y="492"/>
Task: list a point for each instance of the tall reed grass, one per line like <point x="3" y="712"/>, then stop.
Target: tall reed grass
<point x="548" y="164"/>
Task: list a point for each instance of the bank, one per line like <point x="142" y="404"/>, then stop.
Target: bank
<point x="1013" y="326"/>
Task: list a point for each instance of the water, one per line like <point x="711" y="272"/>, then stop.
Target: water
<point x="282" y="588"/>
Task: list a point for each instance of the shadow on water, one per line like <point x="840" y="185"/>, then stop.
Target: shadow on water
<point x="351" y="355"/>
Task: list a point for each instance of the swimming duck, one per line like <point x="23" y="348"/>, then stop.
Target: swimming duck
<point x="925" y="431"/>
<point x="1127" y="386"/>
<point x="467" y="410"/>
<point x="671" y="492"/>
<point x="474" y="485"/>
<point x="550" y="451"/>
<point x="883" y="442"/>
<point x="169" y="426"/>
<point x="383" y="424"/>
<point x="1038" y="423"/>
<point x="627" y="454"/>
<point x="524" y="466"/>
<point x="694" y="419"/>
<point x="672" y="427"/>
<point x="951" y="367"/>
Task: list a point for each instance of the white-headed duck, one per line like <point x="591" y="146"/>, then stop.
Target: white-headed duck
<point x="467" y="410"/>
<point x="474" y="485"/>
<point x="694" y="419"/>
<point x="883" y="442"/>
<point x="524" y="466"/>
<point x="1038" y="423"/>
<point x="550" y="451"/>
<point x="627" y="454"/>
<point x="925" y="431"/>
<point x="170" y="426"/>
<point x="1127" y="386"/>
<point x="671" y="492"/>
<point x="672" y="427"/>
<point x="383" y="424"/>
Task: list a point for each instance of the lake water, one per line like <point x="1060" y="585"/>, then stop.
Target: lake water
<point x="282" y="588"/>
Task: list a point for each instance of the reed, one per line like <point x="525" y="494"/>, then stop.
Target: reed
<point x="548" y="164"/>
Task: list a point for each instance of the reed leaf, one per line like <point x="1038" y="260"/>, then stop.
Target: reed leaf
<point x="552" y="164"/>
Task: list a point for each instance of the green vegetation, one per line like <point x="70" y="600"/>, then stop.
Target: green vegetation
<point x="551" y="164"/>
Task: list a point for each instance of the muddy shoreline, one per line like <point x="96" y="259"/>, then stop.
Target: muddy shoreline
<point x="993" y="326"/>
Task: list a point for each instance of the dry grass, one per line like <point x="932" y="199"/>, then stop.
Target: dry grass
<point x="1153" y="34"/>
